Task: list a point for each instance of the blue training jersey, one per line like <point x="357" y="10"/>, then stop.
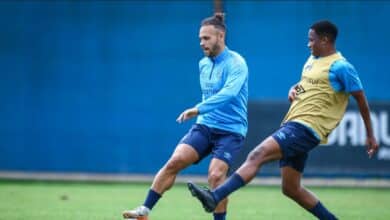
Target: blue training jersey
<point x="224" y="84"/>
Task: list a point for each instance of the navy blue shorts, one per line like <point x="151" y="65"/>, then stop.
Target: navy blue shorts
<point x="223" y="145"/>
<point x="295" y="140"/>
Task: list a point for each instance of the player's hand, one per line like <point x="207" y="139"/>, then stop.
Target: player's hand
<point x="187" y="114"/>
<point x="372" y="146"/>
<point x="292" y="94"/>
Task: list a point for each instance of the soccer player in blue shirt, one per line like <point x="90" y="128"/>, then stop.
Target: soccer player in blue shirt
<point x="221" y="124"/>
<point x="318" y="103"/>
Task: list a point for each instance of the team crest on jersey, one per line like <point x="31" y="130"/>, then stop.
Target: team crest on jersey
<point x="308" y="67"/>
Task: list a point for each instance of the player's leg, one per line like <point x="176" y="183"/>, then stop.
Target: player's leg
<point x="292" y="187"/>
<point x="217" y="174"/>
<point x="296" y="140"/>
<point x="183" y="156"/>
<point x="267" y="151"/>
<point x="190" y="150"/>
<point x="227" y="146"/>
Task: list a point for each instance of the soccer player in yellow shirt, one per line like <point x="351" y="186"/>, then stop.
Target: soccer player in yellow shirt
<point x="318" y="103"/>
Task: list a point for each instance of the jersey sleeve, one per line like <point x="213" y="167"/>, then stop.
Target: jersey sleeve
<point x="344" y="77"/>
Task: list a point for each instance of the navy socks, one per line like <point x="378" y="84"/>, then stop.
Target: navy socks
<point x="233" y="183"/>
<point x="151" y="199"/>
<point x="220" y="216"/>
<point x="321" y="212"/>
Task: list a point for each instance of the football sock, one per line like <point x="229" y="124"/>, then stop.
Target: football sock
<point x="233" y="183"/>
<point x="220" y="216"/>
<point x="151" y="199"/>
<point x="321" y="212"/>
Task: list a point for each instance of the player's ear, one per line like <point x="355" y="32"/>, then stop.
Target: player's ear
<point x="221" y="34"/>
<point x="325" y="39"/>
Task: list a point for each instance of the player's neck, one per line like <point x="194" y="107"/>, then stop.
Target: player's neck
<point x="221" y="49"/>
<point x="328" y="52"/>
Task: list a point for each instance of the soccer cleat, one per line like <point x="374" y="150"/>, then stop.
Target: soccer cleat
<point x="139" y="218"/>
<point x="141" y="212"/>
<point x="204" y="196"/>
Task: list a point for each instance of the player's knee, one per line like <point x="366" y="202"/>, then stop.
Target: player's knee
<point x="290" y="191"/>
<point x="216" y="177"/>
<point x="174" y="164"/>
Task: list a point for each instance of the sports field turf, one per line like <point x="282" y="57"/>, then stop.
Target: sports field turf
<point x="105" y="201"/>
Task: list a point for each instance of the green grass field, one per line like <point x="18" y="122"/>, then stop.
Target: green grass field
<point x="105" y="201"/>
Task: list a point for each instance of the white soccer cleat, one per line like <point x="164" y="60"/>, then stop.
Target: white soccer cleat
<point x="140" y="211"/>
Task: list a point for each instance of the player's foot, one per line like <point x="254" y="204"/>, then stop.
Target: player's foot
<point x="139" y="218"/>
<point x="137" y="213"/>
<point x="204" y="196"/>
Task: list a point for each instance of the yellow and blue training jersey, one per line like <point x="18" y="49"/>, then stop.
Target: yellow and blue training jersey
<point x="323" y="93"/>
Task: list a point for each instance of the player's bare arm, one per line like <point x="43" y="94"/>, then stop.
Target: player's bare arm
<point x="372" y="145"/>
<point x="292" y="93"/>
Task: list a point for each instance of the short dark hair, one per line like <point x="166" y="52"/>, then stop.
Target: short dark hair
<point x="217" y="20"/>
<point x="325" y="28"/>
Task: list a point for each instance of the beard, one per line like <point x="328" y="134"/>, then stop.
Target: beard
<point x="214" y="50"/>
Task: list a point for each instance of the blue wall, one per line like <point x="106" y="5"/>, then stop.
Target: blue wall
<point x="97" y="86"/>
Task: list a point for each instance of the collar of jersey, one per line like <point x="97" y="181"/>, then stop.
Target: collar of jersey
<point x="319" y="57"/>
<point x="221" y="56"/>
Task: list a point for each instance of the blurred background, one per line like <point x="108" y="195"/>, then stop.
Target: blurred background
<point x="94" y="87"/>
